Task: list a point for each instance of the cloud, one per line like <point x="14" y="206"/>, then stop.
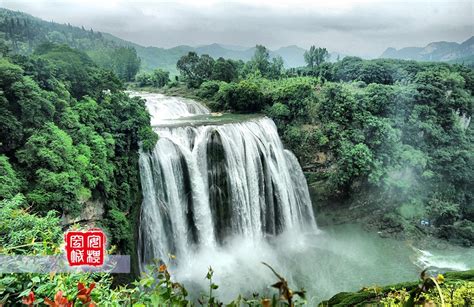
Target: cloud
<point x="362" y="27"/>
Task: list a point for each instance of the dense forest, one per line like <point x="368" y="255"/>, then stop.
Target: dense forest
<point x="389" y="137"/>
<point x="70" y="136"/>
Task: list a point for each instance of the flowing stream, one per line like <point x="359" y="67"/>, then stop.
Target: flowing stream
<point x="222" y="191"/>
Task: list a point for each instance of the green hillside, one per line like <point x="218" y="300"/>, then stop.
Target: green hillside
<point x="23" y="33"/>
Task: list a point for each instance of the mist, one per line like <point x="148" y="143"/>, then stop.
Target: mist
<point x="362" y="27"/>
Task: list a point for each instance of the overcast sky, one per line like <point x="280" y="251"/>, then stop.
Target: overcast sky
<point x="356" y="27"/>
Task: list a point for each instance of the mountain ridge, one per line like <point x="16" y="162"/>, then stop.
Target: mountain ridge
<point x="153" y="57"/>
<point x="441" y="51"/>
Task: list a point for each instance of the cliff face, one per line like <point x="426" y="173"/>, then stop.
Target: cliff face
<point x="92" y="212"/>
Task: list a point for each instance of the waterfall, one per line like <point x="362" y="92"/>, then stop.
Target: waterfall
<point x="162" y="107"/>
<point x="204" y="184"/>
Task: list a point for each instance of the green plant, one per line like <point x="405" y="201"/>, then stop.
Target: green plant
<point x="286" y="294"/>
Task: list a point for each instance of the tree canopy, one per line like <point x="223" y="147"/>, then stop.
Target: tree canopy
<point x="70" y="135"/>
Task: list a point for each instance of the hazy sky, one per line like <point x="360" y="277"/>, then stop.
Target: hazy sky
<point x="356" y="27"/>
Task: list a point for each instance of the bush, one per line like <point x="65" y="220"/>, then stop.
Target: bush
<point x="208" y="89"/>
<point x="24" y="233"/>
<point x="245" y="96"/>
<point x="278" y="111"/>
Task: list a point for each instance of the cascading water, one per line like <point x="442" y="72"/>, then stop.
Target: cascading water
<point x="203" y="185"/>
<point x="224" y="193"/>
<point x="164" y="108"/>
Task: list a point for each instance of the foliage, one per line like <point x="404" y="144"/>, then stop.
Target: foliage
<point x="23" y="232"/>
<point x="209" y="89"/>
<point x="261" y="64"/>
<point x="295" y="93"/>
<point x="77" y="71"/>
<point x="278" y="111"/>
<point x="244" y="96"/>
<point x="285" y="293"/>
<point x="10" y="184"/>
<point x="315" y="56"/>
<point x="353" y="68"/>
<point x="158" y="78"/>
<point x="397" y="131"/>
<point x="404" y="143"/>
<point x="452" y="289"/>
<point x="23" y="34"/>
<point x="125" y="63"/>
<point x="70" y="135"/>
<point x="196" y="69"/>
<point x="58" y="177"/>
<point x="224" y="70"/>
<point x="188" y="66"/>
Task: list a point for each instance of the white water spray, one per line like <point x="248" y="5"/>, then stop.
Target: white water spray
<point x="205" y="185"/>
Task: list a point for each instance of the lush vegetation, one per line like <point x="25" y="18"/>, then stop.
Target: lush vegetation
<point x="451" y="289"/>
<point x="23" y="34"/>
<point x="390" y="137"/>
<point x="30" y="233"/>
<point x="70" y="138"/>
<point x="24" y="232"/>
<point x="158" y="78"/>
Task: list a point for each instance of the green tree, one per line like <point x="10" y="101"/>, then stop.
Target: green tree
<point x="224" y="70"/>
<point x="187" y="66"/>
<point x="10" y="184"/>
<point x="315" y="56"/>
<point x="158" y="78"/>
<point x="23" y="232"/>
<point x="261" y="59"/>
<point x="205" y="67"/>
<point x="261" y="64"/>
<point x="56" y="184"/>
<point x="125" y="63"/>
<point x="354" y="161"/>
<point x="245" y="96"/>
<point x="77" y="71"/>
<point x="276" y="68"/>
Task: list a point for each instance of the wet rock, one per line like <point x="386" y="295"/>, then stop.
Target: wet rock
<point x="92" y="211"/>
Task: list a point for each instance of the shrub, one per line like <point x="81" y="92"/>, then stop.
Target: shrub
<point x="278" y="111"/>
<point x="245" y="96"/>
<point x="208" y="89"/>
<point x="9" y="182"/>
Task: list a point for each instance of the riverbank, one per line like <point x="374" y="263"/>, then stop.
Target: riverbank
<point x="457" y="289"/>
<point x="386" y="223"/>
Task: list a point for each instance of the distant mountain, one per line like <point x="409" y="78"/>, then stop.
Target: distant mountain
<point x="166" y="58"/>
<point x="293" y="56"/>
<point x="153" y="57"/>
<point x="437" y="51"/>
<point x="24" y="32"/>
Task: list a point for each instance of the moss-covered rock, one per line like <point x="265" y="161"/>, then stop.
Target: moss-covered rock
<point x="373" y="295"/>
